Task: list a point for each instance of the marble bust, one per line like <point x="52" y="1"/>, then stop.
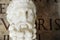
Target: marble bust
<point x="21" y="14"/>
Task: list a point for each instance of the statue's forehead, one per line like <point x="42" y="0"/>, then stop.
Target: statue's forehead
<point x="22" y="0"/>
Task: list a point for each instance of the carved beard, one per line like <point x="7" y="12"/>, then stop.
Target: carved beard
<point x="23" y="31"/>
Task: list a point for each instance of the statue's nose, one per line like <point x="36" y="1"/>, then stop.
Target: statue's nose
<point x="23" y="17"/>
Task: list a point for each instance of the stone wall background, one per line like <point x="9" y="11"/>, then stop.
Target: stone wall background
<point x="46" y="10"/>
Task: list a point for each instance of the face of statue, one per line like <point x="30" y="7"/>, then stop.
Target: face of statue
<point x="21" y="16"/>
<point x="18" y="12"/>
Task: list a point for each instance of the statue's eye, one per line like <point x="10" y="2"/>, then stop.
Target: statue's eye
<point x="26" y="14"/>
